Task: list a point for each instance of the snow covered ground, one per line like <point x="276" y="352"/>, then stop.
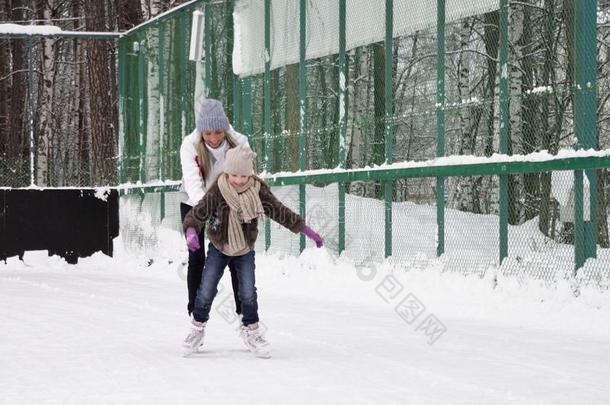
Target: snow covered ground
<point x="108" y="330"/>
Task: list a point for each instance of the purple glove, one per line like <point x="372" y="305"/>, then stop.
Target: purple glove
<point x="192" y="239"/>
<point x="311" y="234"/>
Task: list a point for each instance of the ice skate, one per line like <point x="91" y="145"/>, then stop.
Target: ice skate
<point x="194" y="339"/>
<point x="255" y="342"/>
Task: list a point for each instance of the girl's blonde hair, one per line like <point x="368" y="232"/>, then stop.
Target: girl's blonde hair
<point x="204" y="155"/>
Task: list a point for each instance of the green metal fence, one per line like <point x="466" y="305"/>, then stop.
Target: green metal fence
<point x="156" y="89"/>
<point x="475" y="78"/>
<point x="475" y="85"/>
<point x="346" y="85"/>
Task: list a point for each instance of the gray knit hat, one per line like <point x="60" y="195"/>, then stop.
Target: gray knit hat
<point x="211" y="116"/>
<point x="240" y="161"/>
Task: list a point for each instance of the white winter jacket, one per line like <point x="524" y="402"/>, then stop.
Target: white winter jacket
<point x="193" y="187"/>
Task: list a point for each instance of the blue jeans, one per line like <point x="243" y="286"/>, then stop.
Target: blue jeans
<point x="214" y="268"/>
<point x="195" y="268"/>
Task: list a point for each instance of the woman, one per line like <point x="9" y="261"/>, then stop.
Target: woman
<point x="202" y="156"/>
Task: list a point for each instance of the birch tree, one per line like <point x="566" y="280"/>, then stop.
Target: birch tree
<point x="516" y="86"/>
<point x="46" y="99"/>
<point x="357" y="106"/>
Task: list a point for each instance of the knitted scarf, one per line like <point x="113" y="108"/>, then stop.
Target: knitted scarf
<point x="245" y="205"/>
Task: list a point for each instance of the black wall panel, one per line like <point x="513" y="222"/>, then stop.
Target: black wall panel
<point x="69" y="223"/>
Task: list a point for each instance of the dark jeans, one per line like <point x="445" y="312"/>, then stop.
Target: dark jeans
<point x="214" y="268"/>
<point x="195" y="269"/>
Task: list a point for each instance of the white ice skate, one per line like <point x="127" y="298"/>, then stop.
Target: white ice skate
<point x="255" y="342"/>
<point x="194" y="339"/>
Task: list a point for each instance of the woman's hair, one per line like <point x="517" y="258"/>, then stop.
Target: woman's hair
<point x="204" y="155"/>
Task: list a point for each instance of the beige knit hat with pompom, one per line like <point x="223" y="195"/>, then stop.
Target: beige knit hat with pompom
<point x="240" y="161"/>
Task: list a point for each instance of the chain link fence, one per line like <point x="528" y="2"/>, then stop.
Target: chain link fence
<point x="356" y="84"/>
<point x="503" y="79"/>
<point x="157" y="87"/>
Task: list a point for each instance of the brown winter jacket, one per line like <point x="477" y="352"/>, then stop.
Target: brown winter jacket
<point x="214" y="209"/>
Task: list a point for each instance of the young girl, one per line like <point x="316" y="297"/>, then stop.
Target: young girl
<point x="231" y="208"/>
<point x="202" y="156"/>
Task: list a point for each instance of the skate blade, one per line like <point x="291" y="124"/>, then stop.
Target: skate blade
<point x="188" y="352"/>
<point x="261" y="354"/>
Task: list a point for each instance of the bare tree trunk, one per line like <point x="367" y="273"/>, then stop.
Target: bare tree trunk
<point x="491" y="39"/>
<point x="44" y="146"/>
<point x="333" y="100"/>
<point x="548" y="77"/>
<point x="77" y="152"/>
<point x="406" y="79"/>
<point x="129" y="14"/>
<point x="463" y="89"/>
<point x="567" y="233"/>
<point x="322" y="107"/>
<point x="357" y="108"/>
<point x="603" y="95"/>
<point x="379" y="108"/>
<point x="276" y="123"/>
<point x="292" y="114"/>
<point x="530" y="122"/>
<point x="16" y="147"/>
<point x="602" y="210"/>
<point x="379" y="102"/>
<point x="467" y="193"/>
<point x="5" y="80"/>
<point x="103" y="110"/>
<point x="153" y="8"/>
<point x="515" y="121"/>
<point x="84" y="120"/>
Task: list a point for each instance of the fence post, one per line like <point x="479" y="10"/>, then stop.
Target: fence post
<point x="182" y="60"/>
<point x="440" y="124"/>
<point x="267" y="108"/>
<point x="504" y="116"/>
<point x="122" y="67"/>
<point x="207" y="32"/>
<point x="389" y="112"/>
<point x="342" y="121"/>
<point x="585" y="126"/>
<point x="161" y="123"/>
<point x="302" y="111"/>
<point x="142" y="127"/>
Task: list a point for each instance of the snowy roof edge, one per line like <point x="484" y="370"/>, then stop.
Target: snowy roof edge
<point x="18" y="30"/>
